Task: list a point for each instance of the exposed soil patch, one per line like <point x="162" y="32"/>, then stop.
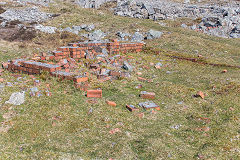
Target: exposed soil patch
<point x="15" y="34"/>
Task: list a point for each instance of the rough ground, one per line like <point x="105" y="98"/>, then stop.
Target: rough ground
<point x="67" y="125"/>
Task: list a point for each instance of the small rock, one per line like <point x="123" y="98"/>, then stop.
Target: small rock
<point x="184" y="26"/>
<point x="17" y="98"/>
<point x="90" y="27"/>
<point x="46" y="29"/>
<point x="148" y="105"/>
<point x="152" y="34"/>
<point x="96" y="35"/>
<point x="137" y="37"/>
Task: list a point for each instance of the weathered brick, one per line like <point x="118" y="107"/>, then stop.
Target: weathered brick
<point x="147" y="95"/>
<point x="80" y="78"/>
<point x="94" y="93"/>
<point x="111" y="103"/>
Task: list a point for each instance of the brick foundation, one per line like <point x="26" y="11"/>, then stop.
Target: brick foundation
<point x="72" y="53"/>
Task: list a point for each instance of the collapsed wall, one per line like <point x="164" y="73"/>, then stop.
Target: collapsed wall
<point x="69" y="56"/>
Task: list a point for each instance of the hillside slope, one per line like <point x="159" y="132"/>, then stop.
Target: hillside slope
<point x="68" y="125"/>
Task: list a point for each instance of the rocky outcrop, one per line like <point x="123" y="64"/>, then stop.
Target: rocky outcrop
<point x="29" y="15"/>
<point x="224" y="17"/>
<point x="92" y="3"/>
<point x="37" y="2"/>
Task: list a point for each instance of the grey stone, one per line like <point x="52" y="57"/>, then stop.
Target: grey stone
<point x="223" y="16"/>
<point x="184" y="26"/>
<point x="148" y="105"/>
<point x="36" y="2"/>
<point x="77" y="28"/>
<point x="91" y="3"/>
<point x="17" y="98"/>
<point x="28" y="15"/>
<point x="123" y="36"/>
<point x="194" y="27"/>
<point x="3" y="24"/>
<point x="96" y="35"/>
<point x="137" y="37"/>
<point x="235" y="35"/>
<point x="68" y="29"/>
<point x="152" y="34"/>
<point x="46" y="29"/>
<point x="90" y="27"/>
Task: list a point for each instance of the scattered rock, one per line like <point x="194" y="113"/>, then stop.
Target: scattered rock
<point x="17" y="98"/>
<point x="97" y="35"/>
<point x="148" y="105"/>
<point x="91" y="3"/>
<point x="28" y="15"/>
<point x="68" y="29"/>
<point x="152" y="34"/>
<point x="184" y="26"/>
<point x="137" y="37"/>
<point x="218" y="20"/>
<point x="90" y="27"/>
<point x="123" y="36"/>
<point x="45" y="29"/>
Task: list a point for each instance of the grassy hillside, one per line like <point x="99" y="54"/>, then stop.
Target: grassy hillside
<point x="186" y="127"/>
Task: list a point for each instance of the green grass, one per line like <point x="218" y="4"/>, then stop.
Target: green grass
<point x="36" y="134"/>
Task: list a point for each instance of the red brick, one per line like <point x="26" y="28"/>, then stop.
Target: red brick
<point x="147" y="95"/>
<point x="142" y="79"/>
<point x="79" y="79"/>
<point x="111" y="103"/>
<point x="94" y="93"/>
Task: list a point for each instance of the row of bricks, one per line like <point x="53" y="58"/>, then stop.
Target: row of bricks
<point x="19" y="69"/>
<point x="31" y="67"/>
